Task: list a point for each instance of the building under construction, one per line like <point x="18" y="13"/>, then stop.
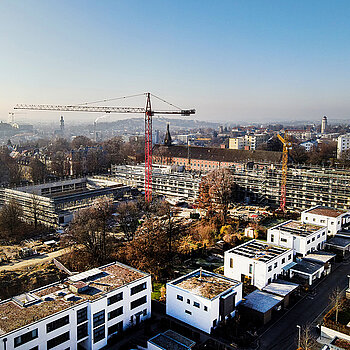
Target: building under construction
<point x="306" y="187"/>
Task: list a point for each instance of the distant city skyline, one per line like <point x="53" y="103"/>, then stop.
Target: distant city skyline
<point x="253" y="61"/>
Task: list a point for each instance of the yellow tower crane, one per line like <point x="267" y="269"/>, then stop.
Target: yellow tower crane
<point x="287" y="145"/>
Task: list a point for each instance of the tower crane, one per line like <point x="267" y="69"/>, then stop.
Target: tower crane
<point x="287" y="145"/>
<point x="147" y="111"/>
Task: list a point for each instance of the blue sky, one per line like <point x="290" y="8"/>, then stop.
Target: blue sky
<point x="231" y="60"/>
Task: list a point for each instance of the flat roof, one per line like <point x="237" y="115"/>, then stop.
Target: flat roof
<point x="339" y="242"/>
<point x="280" y="287"/>
<point x="299" y="228"/>
<point x="259" y="250"/>
<point x="30" y="307"/>
<point x="307" y="267"/>
<point x="325" y="211"/>
<point x="204" y="283"/>
<point x="261" y="301"/>
<point x="171" y="340"/>
<point x="320" y="256"/>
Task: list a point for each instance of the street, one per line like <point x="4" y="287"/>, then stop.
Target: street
<point x="283" y="333"/>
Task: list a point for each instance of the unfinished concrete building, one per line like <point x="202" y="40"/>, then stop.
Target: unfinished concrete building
<point x="53" y="204"/>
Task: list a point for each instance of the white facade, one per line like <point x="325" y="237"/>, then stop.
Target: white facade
<point x="197" y="310"/>
<point x="256" y="262"/>
<point x="308" y="145"/>
<point x="88" y="321"/>
<point x="343" y="144"/>
<point x="298" y="236"/>
<point x="333" y="219"/>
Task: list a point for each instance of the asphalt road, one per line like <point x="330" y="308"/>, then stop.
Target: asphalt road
<point x="283" y="333"/>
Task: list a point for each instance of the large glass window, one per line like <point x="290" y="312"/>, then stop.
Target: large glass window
<point x="115" y="298"/>
<point x="82" y="315"/>
<point x="57" y="324"/>
<point x="99" y="318"/>
<point x="138" y="302"/>
<point x="115" y="313"/>
<point x="82" y="331"/>
<point x="99" y="334"/>
<point x="115" y="328"/>
<point x="57" y="340"/>
<point x="26" y="337"/>
<point x="138" y="288"/>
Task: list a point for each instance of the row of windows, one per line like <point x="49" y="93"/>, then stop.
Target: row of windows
<point x="276" y="263"/>
<point x="195" y="303"/>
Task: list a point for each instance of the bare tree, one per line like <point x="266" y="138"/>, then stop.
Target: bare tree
<point x="336" y="299"/>
<point x="89" y="228"/>
<point x="307" y="339"/>
<point x="128" y="218"/>
<point x="10" y="218"/>
<point x="217" y="191"/>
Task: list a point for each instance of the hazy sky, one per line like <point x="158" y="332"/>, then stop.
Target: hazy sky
<point x="231" y="60"/>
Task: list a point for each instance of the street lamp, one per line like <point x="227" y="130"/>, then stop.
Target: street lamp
<point x="299" y="331"/>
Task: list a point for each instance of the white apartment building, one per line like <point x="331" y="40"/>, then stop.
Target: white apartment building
<point x="250" y="142"/>
<point x="302" y="237"/>
<point x="202" y="299"/>
<point x="82" y="312"/>
<point x="343" y="144"/>
<point x="256" y="262"/>
<point x="334" y="219"/>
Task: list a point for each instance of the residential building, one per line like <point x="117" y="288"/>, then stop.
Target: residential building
<point x="170" y="340"/>
<point x="82" y="312"/>
<point x="202" y="299"/>
<point x="334" y="219"/>
<point x="301" y="237"/>
<point x="309" y="145"/>
<point x="247" y="142"/>
<point x="343" y="144"/>
<point x="54" y="203"/>
<point x="256" y="262"/>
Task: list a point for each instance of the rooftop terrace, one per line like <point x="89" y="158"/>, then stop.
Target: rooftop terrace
<point x="299" y="228"/>
<point x="325" y="211"/>
<point x="205" y="284"/>
<point x="259" y="250"/>
<point x="30" y="307"/>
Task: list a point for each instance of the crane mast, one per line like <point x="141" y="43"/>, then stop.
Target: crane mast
<point x="286" y="147"/>
<point x="147" y="111"/>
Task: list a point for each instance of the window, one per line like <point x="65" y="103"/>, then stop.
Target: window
<point x="144" y="312"/>
<point x="57" y="324"/>
<point x="275" y="265"/>
<point x="323" y="221"/>
<point x="332" y="223"/>
<point x="115" y="328"/>
<point x="231" y="263"/>
<point x="26" y="337"/>
<point x="313" y="239"/>
<point x="99" y="318"/>
<point x="283" y="240"/>
<point x="306" y="218"/>
<point x="115" y="313"/>
<point x="188" y="301"/>
<point x="188" y="312"/>
<point x="308" y="242"/>
<point x="115" y="298"/>
<point x="318" y="236"/>
<point x="99" y="334"/>
<point x="323" y="233"/>
<point x="138" y="288"/>
<point x="205" y="308"/>
<point x="138" y="302"/>
<point x="269" y="268"/>
<point x="283" y="260"/>
<point x="289" y="256"/>
<point x="35" y="348"/>
<point x="82" y="315"/>
<point x="180" y="297"/>
<point x="82" y="331"/>
<point x="272" y="238"/>
<point x="195" y="304"/>
<point x="250" y="268"/>
<point x="57" y="340"/>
